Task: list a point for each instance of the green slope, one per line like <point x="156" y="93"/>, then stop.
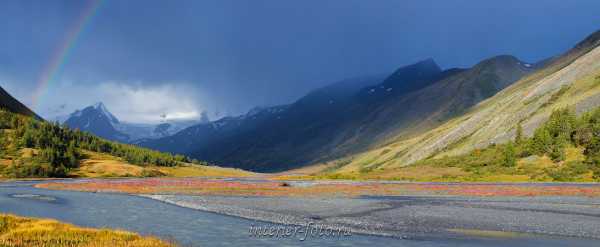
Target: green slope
<point x="570" y="80"/>
<point x="31" y="147"/>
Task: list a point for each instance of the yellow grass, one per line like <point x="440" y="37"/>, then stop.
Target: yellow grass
<point x="419" y="173"/>
<point x="24" y="232"/>
<point x="574" y="154"/>
<point x="28" y="152"/>
<point x="311" y="169"/>
<point x="190" y="170"/>
<point x="535" y="163"/>
<point x="423" y="173"/>
<point x="103" y="165"/>
<point x="508" y="178"/>
<point x="4" y="163"/>
<point x="303" y="173"/>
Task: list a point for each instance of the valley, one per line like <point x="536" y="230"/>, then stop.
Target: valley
<point x="458" y="132"/>
<point x="569" y="81"/>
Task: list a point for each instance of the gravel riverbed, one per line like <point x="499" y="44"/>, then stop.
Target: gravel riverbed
<point x="413" y="216"/>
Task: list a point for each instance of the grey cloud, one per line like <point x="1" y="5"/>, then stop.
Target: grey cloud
<point x="235" y="55"/>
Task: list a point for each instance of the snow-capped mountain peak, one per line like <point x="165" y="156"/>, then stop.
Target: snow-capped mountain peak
<point x="102" y="109"/>
<point x="97" y="119"/>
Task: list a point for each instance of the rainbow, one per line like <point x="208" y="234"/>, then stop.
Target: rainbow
<point x="61" y="54"/>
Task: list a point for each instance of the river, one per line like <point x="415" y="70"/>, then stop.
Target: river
<point x="190" y="227"/>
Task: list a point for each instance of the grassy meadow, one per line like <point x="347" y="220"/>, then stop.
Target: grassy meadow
<point x="99" y="165"/>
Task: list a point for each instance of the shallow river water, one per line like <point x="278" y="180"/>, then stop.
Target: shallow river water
<point x="190" y="227"/>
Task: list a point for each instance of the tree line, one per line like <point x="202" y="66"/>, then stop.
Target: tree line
<point x="563" y="129"/>
<point x="59" y="148"/>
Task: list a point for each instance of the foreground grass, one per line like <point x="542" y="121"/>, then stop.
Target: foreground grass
<point x="19" y="231"/>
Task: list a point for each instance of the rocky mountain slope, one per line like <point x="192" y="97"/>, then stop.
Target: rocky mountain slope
<point x="570" y="80"/>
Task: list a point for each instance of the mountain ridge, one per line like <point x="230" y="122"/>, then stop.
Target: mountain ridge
<point x="11" y="104"/>
<point x="317" y="128"/>
<point x="566" y="81"/>
<point x="451" y="95"/>
<point x="97" y="119"/>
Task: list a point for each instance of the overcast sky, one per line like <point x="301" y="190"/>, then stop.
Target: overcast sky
<point x="145" y="58"/>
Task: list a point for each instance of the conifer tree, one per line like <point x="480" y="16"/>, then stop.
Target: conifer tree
<point x="510" y="157"/>
<point x="519" y="134"/>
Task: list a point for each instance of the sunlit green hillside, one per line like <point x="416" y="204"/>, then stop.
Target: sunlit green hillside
<point x="569" y="81"/>
<point x="34" y="148"/>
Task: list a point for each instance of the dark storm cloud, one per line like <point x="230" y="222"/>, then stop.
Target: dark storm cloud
<point x="230" y="55"/>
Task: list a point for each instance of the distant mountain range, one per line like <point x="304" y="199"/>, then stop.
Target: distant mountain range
<point x="97" y="119"/>
<point x="264" y="126"/>
<point x="347" y="117"/>
<point x="201" y="135"/>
